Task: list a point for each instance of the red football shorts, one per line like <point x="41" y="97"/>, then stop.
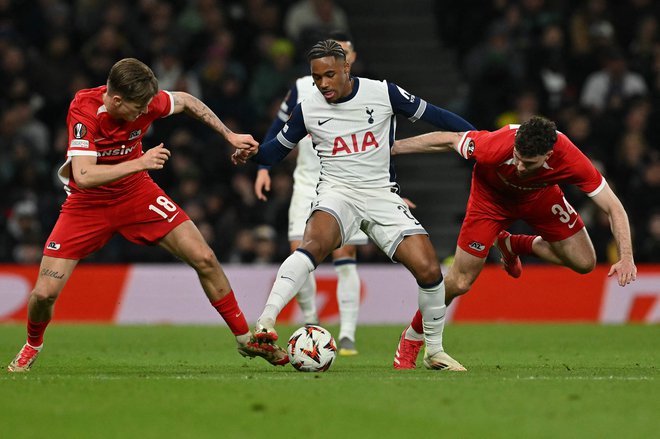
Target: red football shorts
<point x="548" y="213"/>
<point x="83" y="227"/>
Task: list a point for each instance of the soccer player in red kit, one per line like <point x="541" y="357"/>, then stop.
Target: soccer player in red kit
<point x="110" y="191"/>
<point x="516" y="176"/>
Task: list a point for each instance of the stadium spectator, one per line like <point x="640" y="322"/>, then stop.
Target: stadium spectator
<point x="356" y="190"/>
<point x="649" y="243"/>
<point x="110" y="192"/>
<point x="516" y="177"/>
<point x="610" y="87"/>
<point x="306" y="19"/>
<point x="493" y="62"/>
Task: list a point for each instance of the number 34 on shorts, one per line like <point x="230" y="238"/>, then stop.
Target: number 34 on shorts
<point x="565" y="213"/>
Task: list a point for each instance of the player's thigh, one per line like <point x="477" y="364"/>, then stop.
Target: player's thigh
<point x="53" y="275"/>
<point x="463" y="271"/>
<point x="187" y="243"/>
<point x="322" y="234"/>
<point x="340" y="206"/>
<point x="417" y="254"/>
<point x="577" y="252"/>
<point x="149" y="215"/>
<point x="552" y="216"/>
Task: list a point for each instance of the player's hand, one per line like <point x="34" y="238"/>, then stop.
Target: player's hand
<point x="241" y="156"/>
<point x="243" y="141"/>
<point x="625" y="270"/>
<point x="409" y="203"/>
<point x="155" y="158"/>
<point x="261" y="184"/>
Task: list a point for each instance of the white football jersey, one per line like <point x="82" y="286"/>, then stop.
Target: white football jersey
<point x="308" y="165"/>
<point x="353" y="136"/>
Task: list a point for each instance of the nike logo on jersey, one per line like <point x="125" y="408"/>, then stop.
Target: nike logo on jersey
<point x="287" y="277"/>
<point x="324" y="121"/>
<point x="169" y="220"/>
<point x="570" y="226"/>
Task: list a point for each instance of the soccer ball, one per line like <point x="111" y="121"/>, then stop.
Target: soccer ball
<point x="312" y="349"/>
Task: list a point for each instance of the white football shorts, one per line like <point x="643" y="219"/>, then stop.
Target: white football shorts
<point x="301" y="207"/>
<point x="381" y="213"/>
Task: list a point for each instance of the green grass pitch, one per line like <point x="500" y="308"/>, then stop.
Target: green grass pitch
<point x="524" y="381"/>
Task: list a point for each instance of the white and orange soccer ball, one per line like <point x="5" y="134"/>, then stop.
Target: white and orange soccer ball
<point x="312" y="349"/>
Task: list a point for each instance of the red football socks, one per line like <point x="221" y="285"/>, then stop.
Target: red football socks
<point x="35" y="332"/>
<point x="231" y="312"/>
<point x="416" y="323"/>
<point x="522" y="244"/>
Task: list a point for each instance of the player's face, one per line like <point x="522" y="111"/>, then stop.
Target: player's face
<point x="526" y="166"/>
<point x="331" y="76"/>
<point x="132" y="110"/>
<point x="127" y="110"/>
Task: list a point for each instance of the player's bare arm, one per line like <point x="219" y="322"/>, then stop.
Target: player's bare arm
<point x="437" y="141"/>
<point x="625" y="268"/>
<point x="88" y="174"/>
<point x="200" y="111"/>
<point x="262" y="184"/>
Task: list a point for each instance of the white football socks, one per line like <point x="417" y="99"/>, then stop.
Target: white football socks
<point x="292" y="274"/>
<point x="306" y="298"/>
<point x="348" y="297"/>
<point x="433" y="308"/>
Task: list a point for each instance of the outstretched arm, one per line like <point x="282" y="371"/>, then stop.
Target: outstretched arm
<point x="625" y="268"/>
<point x="88" y="174"/>
<point x="200" y="111"/>
<point x="437" y="141"/>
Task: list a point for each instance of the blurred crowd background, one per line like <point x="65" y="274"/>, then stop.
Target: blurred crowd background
<point x="593" y="66"/>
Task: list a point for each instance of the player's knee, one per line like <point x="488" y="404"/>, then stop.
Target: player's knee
<point x="204" y="260"/>
<point x="585" y="266"/>
<point x="44" y="296"/>
<point x="461" y="286"/>
<point x="428" y="272"/>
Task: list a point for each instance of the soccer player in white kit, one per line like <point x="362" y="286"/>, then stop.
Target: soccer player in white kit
<point x="305" y="179"/>
<point x="352" y="126"/>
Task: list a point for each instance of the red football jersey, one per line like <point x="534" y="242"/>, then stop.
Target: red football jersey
<point x="495" y="172"/>
<point x="92" y="131"/>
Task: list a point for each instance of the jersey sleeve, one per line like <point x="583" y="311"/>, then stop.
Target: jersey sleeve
<point x="162" y="105"/>
<point x="405" y="103"/>
<point x="483" y="147"/>
<point x="294" y="129"/>
<point x="82" y="130"/>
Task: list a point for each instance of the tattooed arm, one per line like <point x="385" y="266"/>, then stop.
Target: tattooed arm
<point x="87" y="173"/>
<point x="199" y="110"/>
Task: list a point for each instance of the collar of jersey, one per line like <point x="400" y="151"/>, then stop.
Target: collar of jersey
<point x="356" y="86"/>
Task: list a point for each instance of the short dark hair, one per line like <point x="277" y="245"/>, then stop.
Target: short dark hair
<point x="326" y="48"/>
<point x="132" y="80"/>
<point x="535" y="137"/>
